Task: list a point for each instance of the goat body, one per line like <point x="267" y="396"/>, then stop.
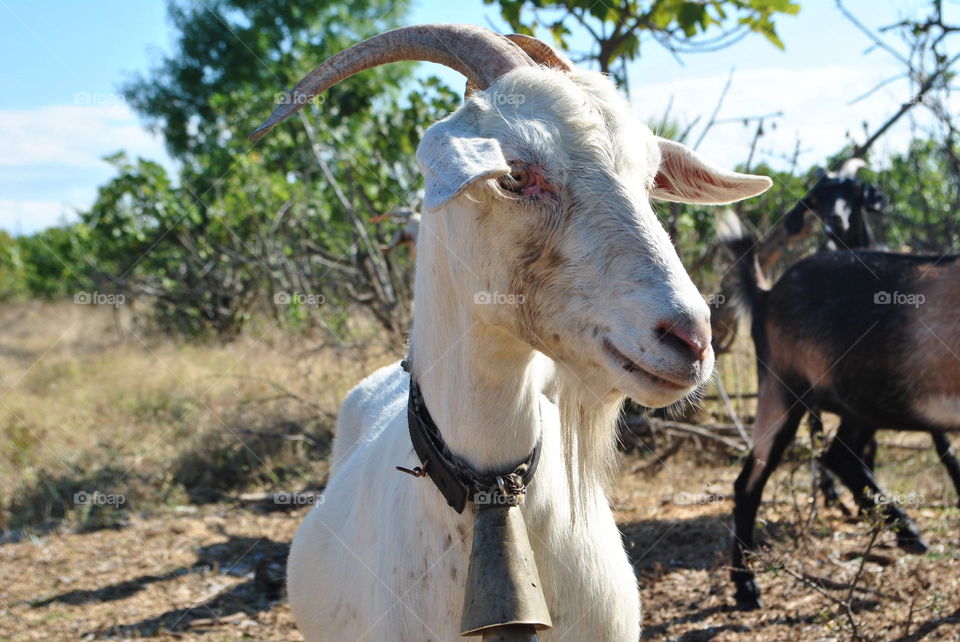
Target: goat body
<point x="842" y="203"/>
<point x="864" y="331"/>
<point x="541" y="267"/>
<point x="384" y="557"/>
<point x="870" y="336"/>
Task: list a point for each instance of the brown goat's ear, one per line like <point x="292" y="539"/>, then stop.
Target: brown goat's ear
<point x="685" y="177"/>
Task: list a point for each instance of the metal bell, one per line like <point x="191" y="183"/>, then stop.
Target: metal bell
<point x="504" y="598"/>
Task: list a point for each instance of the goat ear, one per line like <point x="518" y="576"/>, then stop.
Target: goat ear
<point x="873" y="199"/>
<point x="685" y="177"/>
<point x="452" y="157"/>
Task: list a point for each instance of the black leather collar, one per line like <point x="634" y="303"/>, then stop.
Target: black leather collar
<point x="457" y="481"/>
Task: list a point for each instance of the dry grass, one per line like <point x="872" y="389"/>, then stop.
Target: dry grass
<point x="92" y="403"/>
<point x="181" y="430"/>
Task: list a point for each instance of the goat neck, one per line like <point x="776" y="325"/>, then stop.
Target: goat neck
<point x="481" y="384"/>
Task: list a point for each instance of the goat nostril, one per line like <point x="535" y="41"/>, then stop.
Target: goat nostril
<point x="678" y="335"/>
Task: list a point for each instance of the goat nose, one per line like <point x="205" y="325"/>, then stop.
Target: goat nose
<point x="684" y="335"/>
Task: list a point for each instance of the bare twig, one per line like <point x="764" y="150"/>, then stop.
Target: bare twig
<point x="844" y="606"/>
<point x="875" y="532"/>
<point x="716" y="110"/>
<point x="877" y="41"/>
<point x="286" y="392"/>
<point x="733" y="414"/>
<point x="925" y="87"/>
<point x="877" y="87"/>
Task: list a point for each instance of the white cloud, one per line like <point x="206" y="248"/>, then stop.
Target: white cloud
<point x="51" y="157"/>
<point x="50" y="160"/>
<point x="25" y="217"/>
<point x="76" y="135"/>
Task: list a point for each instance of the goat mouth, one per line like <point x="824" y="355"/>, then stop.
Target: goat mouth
<point x="634" y="368"/>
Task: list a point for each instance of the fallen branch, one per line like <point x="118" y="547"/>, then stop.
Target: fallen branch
<point x="714" y="432"/>
<point x="659" y="460"/>
<point x="740" y="395"/>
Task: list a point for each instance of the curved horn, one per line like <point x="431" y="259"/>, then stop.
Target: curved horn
<point x="479" y="54"/>
<point x="539" y="51"/>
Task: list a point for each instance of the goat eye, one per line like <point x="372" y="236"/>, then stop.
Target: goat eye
<point x="520" y="176"/>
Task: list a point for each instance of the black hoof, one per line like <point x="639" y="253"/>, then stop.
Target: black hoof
<point x="911" y="543"/>
<point x="751" y="603"/>
<point x="908" y="537"/>
<point x="748" y="596"/>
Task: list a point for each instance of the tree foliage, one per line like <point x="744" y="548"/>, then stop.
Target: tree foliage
<point x="924" y="186"/>
<point x="241" y="223"/>
<point x="618" y="29"/>
<point x="235" y="225"/>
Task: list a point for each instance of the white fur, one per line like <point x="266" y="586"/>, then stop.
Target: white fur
<point x="383" y="557"/>
<point x="851" y="167"/>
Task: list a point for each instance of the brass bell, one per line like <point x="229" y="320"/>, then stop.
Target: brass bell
<point x="503" y="599"/>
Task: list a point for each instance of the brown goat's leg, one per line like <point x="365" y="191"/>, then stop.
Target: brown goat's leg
<point x="849" y="450"/>
<point x="843" y="458"/>
<point x="821" y="477"/>
<point x="774" y="429"/>
<point x="948" y="458"/>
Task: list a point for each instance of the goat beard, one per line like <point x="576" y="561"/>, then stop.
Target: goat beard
<point x="588" y="429"/>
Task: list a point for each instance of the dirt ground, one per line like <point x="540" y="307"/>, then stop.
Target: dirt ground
<point x="215" y="572"/>
<point x="185" y="431"/>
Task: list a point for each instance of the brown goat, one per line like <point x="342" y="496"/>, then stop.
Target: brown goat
<point x="873" y="337"/>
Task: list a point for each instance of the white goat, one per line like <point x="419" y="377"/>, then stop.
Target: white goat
<point x="537" y="201"/>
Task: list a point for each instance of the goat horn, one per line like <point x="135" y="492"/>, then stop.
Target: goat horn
<point x="479" y="54"/>
<point x="539" y="51"/>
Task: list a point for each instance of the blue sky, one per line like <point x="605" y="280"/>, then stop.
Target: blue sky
<point x="60" y="113"/>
